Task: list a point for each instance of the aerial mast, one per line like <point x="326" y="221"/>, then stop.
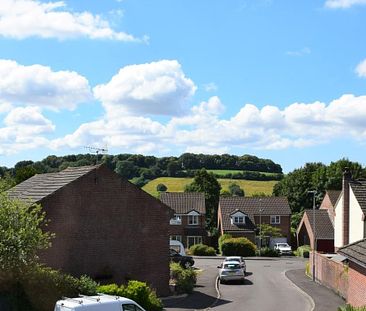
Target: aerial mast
<point x="96" y="151"/>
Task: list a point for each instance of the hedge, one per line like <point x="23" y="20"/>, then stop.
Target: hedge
<point x="183" y="279"/>
<point x="202" y="250"/>
<point x="238" y="247"/>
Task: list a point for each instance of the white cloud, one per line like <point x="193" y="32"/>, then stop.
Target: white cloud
<point x="210" y="87"/>
<point x="5" y="107"/>
<point x="302" y="52"/>
<point x="361" y="69"/>
<point x="159" y="88"/>
<point x="40" y="86"/>
<point x="29" y="18"/>
<point x="24" y="130"/>
<point x="343" y="4"/>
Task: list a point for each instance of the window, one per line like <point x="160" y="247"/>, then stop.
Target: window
<point x="275" y="220"/>
<point x="176" y="238"/>
<point x="192" y="240"/>
<point x="239" y="220"/>
<point x="176" y="220"/>
<point x="193" y="219"/>
<point x="130" y="307"/>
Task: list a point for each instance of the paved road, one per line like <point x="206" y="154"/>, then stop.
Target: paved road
<point x="266" y="288"/>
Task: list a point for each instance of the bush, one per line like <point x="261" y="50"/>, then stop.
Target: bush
<point x="184" y="279"/>
<point x="44" y="286"/>
<point x="350" y="308"/>
<point x="303" y="251"/>
<point x="202" y="250"/>
<point x="137" y="291"/>
<point x="161" y="188"/>
<point x="222" y="238"/>
<point x="238" y="247"/>
<point x="268" y="252"/>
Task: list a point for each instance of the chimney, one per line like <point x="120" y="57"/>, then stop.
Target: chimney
<point x="345" y="187"/>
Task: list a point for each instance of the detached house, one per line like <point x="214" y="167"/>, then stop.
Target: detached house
<point x="240" y="216"/>
<point x="188" y="225"/>
<point x="105" y="226"/>
<point x="324" y="224"/>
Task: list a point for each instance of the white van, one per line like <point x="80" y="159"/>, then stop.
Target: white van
<point x="97" y="303"/>
<point x="178" y="247"/>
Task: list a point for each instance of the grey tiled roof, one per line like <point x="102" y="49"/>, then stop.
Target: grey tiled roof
<point x="184" y="202"/>
<point x="40" y="186"/>
<point x="359" y="190"/>
<point x="333" y="196"/>
<point x="324" y="229"/>
<point x="355" y="252"/>
<point x="251" y="206"/>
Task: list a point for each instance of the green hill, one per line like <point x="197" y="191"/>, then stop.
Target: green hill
<point x="177" y="185"/>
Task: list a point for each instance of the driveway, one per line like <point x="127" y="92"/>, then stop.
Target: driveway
<point x="266" y="288"/>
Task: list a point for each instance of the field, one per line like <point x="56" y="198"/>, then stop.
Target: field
<point x="177" y="185"/>
<point x="225" y="172"/>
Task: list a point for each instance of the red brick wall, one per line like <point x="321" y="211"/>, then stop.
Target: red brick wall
<point x="357" y="285"/>
<point x="327" y="204"/>
<point x="331" y="274"/>
<point x="106" y="226"/>
<point x="181" y="229"/>
<point x="285" y="224"/>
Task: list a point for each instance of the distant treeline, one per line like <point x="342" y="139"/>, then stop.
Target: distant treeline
<point x="141" y="168"/>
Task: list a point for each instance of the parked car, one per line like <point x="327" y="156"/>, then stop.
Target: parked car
<point x="97" y="303"/>
<point x="231" y="271"/>
<point x="184" y="261"/>
<point x="283" y="248"/>
<point x="238" y="259"/>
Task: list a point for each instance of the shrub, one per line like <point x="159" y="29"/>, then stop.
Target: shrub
<point x="202" y="250"/>
<point x="87" y="286"/>
<point x="238" y="247"/>
<point x="161" y="188"/>
<point x="222" y="238"/>
<point x="303" y="251"/>
<point x="350" y="308"/>
<point x="184" y="279"/>
<point x="137" y="291"/>
<point x="268" y="252"/>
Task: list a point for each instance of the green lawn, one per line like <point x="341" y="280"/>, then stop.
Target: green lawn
<point x="224" y="172"/>
<point x="177" y="185"/>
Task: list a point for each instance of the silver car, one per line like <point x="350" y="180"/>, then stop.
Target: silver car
<point x="231" y="271"/>
<point x="238" y="259"/>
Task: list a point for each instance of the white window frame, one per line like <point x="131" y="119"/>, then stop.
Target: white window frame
<point x="176" y="220"/>
<point x="176" y="238"/>
<point x="193" y="219"/>
<point x="238" y="218"/>
<point x="275" y="219"/>
<point x="197" y="239"/>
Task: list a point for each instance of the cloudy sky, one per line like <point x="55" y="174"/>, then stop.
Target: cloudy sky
<point x="279" y="79"/>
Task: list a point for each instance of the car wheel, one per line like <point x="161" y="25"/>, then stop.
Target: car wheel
<point x="222" y="281"/>
<point x="187" y="265"/>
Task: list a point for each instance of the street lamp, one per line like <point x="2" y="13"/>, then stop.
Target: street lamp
<point x="260" y="226"/>
<point x="314" y="232"/>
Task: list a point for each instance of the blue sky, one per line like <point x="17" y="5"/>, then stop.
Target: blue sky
<point x="284" y="80"/>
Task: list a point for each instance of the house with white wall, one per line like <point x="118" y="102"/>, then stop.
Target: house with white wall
<point x="350" y="211"/>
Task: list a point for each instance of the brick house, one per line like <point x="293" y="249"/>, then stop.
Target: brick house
<point x="105" y="226"/>
<point x="324" y="231"/>
<point x="356" y="256"/>
<point x="350" y="212"/>
<point x="240" y="216"/>
<point x="188" y="224"/>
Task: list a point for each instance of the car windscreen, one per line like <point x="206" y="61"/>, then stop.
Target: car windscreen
<point x="232" y="266"/>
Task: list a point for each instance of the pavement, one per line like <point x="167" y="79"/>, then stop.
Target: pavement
<point x="207" y="297"/>
<point x="324" y="298"/>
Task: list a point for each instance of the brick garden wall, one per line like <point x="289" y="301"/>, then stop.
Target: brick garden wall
<point x="331" y="274"/>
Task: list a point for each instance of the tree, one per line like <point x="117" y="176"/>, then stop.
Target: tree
<point x="268" y="230"/>
<point x="161" y="188"/>
<point x="235" y="190"/>
<point x="126" y="169"/>
<point x="21" y="235"/>
<point x="23" y="173"/>
<point x="172" y="168"/>
<point x="207" y="183"/>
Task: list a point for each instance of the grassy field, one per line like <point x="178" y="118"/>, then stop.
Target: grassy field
<point x="224" y="172"/>
<point x="177" y="185"/>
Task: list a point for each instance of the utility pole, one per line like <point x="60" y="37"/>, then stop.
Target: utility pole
<point x="314" y="232"/>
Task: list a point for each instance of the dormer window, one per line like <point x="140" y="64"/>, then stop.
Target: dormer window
<point x="176" y="220"/>
<point x="238" y="218"/>
<point x="193" y="218"/>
